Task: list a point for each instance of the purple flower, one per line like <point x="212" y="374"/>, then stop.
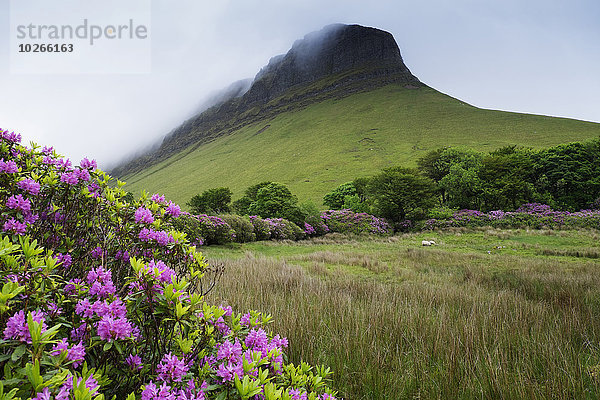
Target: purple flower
<point x="153" y="392"/>
<point x="12" y="225"/>
<point x="30" y="186"/>
<point x="134" y="362"/>
<point x="101" y="283"/>
<point x="230" y="352"/>
<point x="64" y="259"/>
<point x="71" y="178"/>
<point x="96" y="253"/>
<point x="110" y="328"/>
<point x="17" y="328"/>
<point x="18" y="203"/>
<point x="256" y="339"/>
<point x="171" y="369"/>
<point x="143" y="215"/>
<point x="296" y="394"/>
<point x="158" y="198"/>
<point x="59" y="347"/>
<point x="245" y="320"/>
<point x="173" y="209"/>
<point x="228" y="372"/>
<point x="77" y="354"/>
<point x="84" y="308"/>
<point x="11" y="137"/>
<point x="43" y="395"/>
<point x="87" y="164"/>
<point x="8" y="167"/>
<point x="83" y="175"/>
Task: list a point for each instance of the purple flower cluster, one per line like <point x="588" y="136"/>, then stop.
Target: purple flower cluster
<point x="171" y="369"/>
<point x="144" y="216"/>
<point x="347" y="221"/>
<point x="161" y="237"/>
<point x="84" y="277"/>
<point x="8" y="167"/>
<point x="17" y="328"/>
<point x="30" y="186"/>
<point x="531" y="215"/>
<point x="75" y="353"/>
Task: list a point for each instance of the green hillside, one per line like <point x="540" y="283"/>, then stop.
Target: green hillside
<point x="315" y="148"/>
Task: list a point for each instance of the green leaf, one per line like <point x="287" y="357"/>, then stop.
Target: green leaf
<point x="18" y="353"/>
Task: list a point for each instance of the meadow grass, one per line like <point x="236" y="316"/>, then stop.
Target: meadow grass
<point x="316" y="148"/>
<point x="396" y="320"/>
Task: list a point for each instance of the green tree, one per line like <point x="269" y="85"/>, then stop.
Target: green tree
<point x="506" y="177"/>
<point x="242" y="205"/>
<point x="276" y="201"/>
<point x="335" y="199"/>
<point x="437" y="164"/>
<point x="570" y="173"/>
<point x="211" y="201"/>
<point x="401" y="193"/>
<point x="462" y="187"/>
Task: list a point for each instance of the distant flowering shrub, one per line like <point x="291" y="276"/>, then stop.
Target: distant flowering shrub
<point x="282" y="229"/>
<point x="262" y="228"/>
<point x="100" y="298"/>
<point x="347" y="221"/>
<point x="318" y="225"/>
<point x="531" y="215"/>
<point x="242" y="227"/>
<point x="205" y="229"/>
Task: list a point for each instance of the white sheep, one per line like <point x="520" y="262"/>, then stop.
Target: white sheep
<point x="426" y="243"/>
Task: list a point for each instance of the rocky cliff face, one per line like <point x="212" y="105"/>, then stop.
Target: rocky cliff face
<point x="335" y="61"/>
<point x="333" y="50"/>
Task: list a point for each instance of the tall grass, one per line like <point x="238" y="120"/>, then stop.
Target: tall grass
<point x="451" y="325"/>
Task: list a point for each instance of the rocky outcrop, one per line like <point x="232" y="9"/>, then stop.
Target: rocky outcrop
<point x="333" y="50"/>
<point x="334" y="62"/>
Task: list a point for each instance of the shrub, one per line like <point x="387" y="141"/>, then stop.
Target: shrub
<point x="319" y="227"/>
<point x="103" y="298"/>
<point x="211" y="201"/>
<point x="336" y="198"/>
<point x="347" y="221"/>
<point x="530" y="215"/>
<point x="282" y="229"/>
<point x="205" y="229"/>
<point x="276" y="201"/>
<point x="262" y="228"/>
<point x="243" y="228"/>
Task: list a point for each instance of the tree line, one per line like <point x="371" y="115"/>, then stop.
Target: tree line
<point x="566" y="177"/>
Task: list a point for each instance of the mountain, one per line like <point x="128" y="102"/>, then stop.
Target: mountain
<point x="339" y="104"/>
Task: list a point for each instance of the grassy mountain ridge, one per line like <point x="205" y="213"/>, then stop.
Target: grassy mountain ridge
<point x="313" y="147"/>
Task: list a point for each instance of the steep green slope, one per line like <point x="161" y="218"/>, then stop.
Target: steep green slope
<point x="316" y="148"/>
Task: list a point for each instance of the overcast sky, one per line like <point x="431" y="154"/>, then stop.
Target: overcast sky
<point x="533" y="56"/>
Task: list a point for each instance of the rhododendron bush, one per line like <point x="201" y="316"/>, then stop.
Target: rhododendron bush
<point x="103" y="298"/>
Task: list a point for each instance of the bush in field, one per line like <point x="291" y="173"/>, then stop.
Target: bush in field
<point x="335" y="199"/>
<point x="282" y="229"/>
<point x="211" y="201"/>
<point x="399" y="194"/>
<point x="347" y="221"/>
<point x="205" y="229"/>
<point x="102" y="298"/>
<point x="317" y="224"/>
<point x="243" y="228"/>
<point x="262" y="228"/>
<point x="276" y="201"/>
<point x="530" y="215"/>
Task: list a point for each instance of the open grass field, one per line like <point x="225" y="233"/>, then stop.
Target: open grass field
<point x="314" y="149"/>
<point x="485" y="314"/>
